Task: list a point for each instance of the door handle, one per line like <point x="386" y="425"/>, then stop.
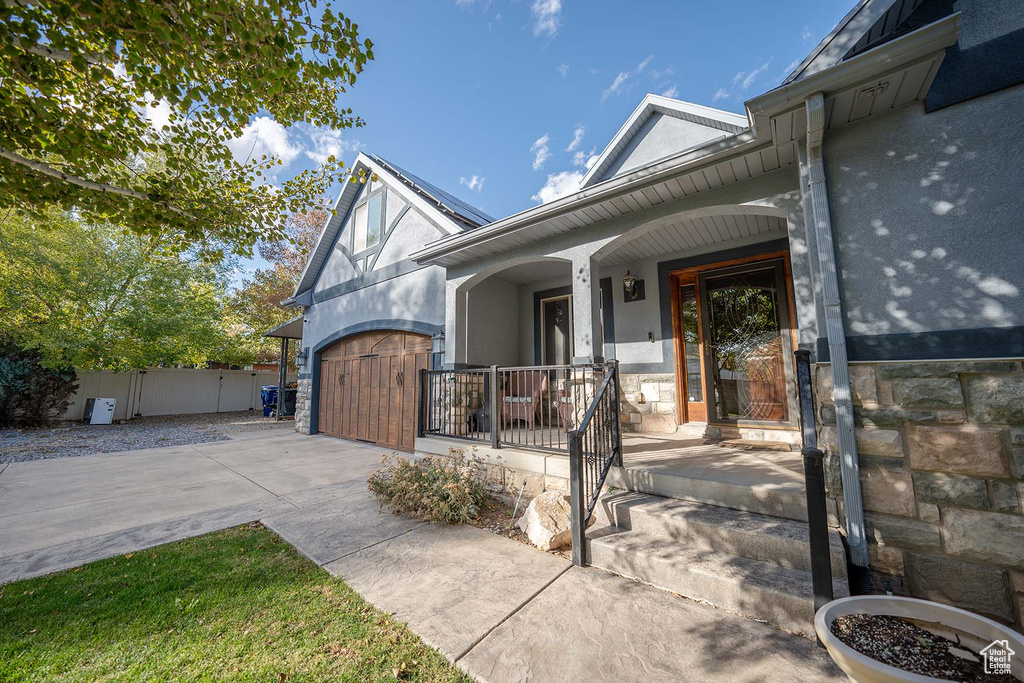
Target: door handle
<point x="341" y="380"/>
<point x="400" y="379"/>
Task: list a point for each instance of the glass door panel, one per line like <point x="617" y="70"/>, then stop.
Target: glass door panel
<point x="696" y="410"/>
<point x="745" y="332"/>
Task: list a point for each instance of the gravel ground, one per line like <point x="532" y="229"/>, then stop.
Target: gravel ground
<point x="73" y="438"/>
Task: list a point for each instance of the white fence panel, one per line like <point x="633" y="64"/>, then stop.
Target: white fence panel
<point x="236" y="390"/>
<point x="105" y="384"/>
<point x="172" y="391"/>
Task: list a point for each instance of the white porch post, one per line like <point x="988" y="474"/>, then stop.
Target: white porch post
<point x="586" y="310"/>
<point x="455" y="324"/>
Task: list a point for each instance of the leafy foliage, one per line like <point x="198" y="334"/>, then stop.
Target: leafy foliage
<point x="30" y="394"/>
<point x="79" y="76"/>
<point x="257" y="302"/>
<point x="96" y="296"/>
<point x="434" y="489"/>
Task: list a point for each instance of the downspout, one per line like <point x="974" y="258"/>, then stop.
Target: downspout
<point x="836" y="334"/>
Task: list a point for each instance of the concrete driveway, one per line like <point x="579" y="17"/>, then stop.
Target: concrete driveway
<point x="65" y="512"/>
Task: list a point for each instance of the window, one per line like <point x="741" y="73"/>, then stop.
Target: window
<point x="368" y="223"/>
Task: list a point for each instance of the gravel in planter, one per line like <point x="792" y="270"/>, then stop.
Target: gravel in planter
<point x="902" y="644"/>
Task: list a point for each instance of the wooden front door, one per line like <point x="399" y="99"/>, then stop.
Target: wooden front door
<point x="368" y="387"/>
<point x="734" y="339"/>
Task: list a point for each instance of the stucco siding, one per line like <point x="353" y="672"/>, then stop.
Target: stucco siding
<point x="493" y="312"/>
<point x="927" y="216"/>
<point x="411" y="232"/>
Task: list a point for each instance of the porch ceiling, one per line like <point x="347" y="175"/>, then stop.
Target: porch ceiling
<point x="535" y="272"/>
<point x="694" y="234"/>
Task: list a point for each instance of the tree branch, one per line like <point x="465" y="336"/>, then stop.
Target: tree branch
<point x="44" y="50"/>
<point x="105" y="188"/>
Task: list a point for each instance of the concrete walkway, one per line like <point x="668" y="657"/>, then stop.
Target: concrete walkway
<point x="501" y="610"/>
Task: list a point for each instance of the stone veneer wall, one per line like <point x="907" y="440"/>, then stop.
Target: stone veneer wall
<point x="302" y="403"/>
<point x="941" y="449"/>
<point x="647" y="403"/>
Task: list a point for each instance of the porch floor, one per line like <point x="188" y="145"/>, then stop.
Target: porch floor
<point x="694" y="458"/>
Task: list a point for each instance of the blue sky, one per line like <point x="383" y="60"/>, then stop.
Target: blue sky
<point x="486" y="98"/>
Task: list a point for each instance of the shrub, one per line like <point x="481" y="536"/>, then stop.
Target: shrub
<point x="434" y="489"/>
<point x="30" y="394"/>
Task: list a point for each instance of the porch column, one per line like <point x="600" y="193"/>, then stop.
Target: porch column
<point x="586" y="310"/>
<point x="455" y="325"/>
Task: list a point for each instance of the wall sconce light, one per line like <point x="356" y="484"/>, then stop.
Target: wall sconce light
<point x="301" y="356"/>
<point x="437" y="349"/>
<point x="632" y="289"/>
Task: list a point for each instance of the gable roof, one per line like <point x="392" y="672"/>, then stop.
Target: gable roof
<point x="450" y="214"/>
<point x="470" y="216"/>
<point x="652" y="105"/>
<point x="869" y="24"/>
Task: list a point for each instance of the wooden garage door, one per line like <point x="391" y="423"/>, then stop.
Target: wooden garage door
<point x="368" y="387"/>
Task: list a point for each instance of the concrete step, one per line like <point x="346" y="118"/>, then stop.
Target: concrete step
<point x="786" y="500"/>
<point x="696" y="526"/>
<point x="780" y="596"/>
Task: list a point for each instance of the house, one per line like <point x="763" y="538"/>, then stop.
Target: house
<point x="868" y="211"/>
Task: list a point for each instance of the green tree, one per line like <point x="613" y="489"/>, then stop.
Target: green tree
<point x="96" y="296"/>
<point x="256" y="304"/>
<point x="76" y="77"/>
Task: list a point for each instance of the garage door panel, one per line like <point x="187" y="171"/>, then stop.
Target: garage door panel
<point x="368" y="388"/>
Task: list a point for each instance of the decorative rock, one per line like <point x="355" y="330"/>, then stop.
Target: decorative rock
<point x="957" y="449"/>
<point x="862" y="384"/>
<point x="886" y="559"/>
<point x="984" y="536"/>
<point x="887" y="490"/>
<point x="903" y="532"/>
<point x="659" y="424"/>
<point x="883" y="442"/>
<point x="651" y="391"/>
<point x="996" y="398"/>
<point x="951" y="489"/>
<point x="970" y="586"/>
<point x="928" y="393"/>
<point x="547" y="521"/>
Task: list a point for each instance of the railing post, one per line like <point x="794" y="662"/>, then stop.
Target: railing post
<point x="577" y="501"/>
<point x="424" y="404"/>
<point x="495" y="409"/>
<point x="814" y="482"/>
<point x="613" y="367"/>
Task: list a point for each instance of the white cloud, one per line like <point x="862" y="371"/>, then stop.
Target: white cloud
<point x="541" y="152"/>
<point x="661" y="74"/>
<point x="328" y="142"/>
<point x="563" y="70"/>
<point x="792" y="65"/>
<point x="672" y="91"/>
<point x="720" y="94"/>
<point x="642" y="65"/>
<point x="475" y="184"/>
<point x="616" y="85"/>
<point x="558" y="185"/>
<point x="264" y="136"/>
<point x="547" y="17"/>
<point x="160" y="115"/>
<point x="585" y="159"/>
<point x="577" y="137"/>
<point x="745" y="79"/>
<point x="806" y="35"/>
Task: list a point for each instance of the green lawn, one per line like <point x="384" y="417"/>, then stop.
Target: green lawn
<point x="239" y="604"/>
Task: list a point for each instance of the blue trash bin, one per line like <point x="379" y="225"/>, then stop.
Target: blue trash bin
<point x="268" y="394"/>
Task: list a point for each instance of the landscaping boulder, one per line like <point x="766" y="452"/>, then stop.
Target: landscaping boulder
<point x="547" y="521"/>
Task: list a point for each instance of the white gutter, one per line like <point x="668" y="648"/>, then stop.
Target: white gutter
<point x="835" y="332"/>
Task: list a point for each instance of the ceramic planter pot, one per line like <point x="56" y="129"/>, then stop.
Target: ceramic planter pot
<point x="975" y="632"/>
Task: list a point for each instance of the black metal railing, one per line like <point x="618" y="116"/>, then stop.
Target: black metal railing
<point x="531" y="406"/>
<point x="457" y="403"/>
<point x="814" y="481"/>
<point x="594" y="446"/>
